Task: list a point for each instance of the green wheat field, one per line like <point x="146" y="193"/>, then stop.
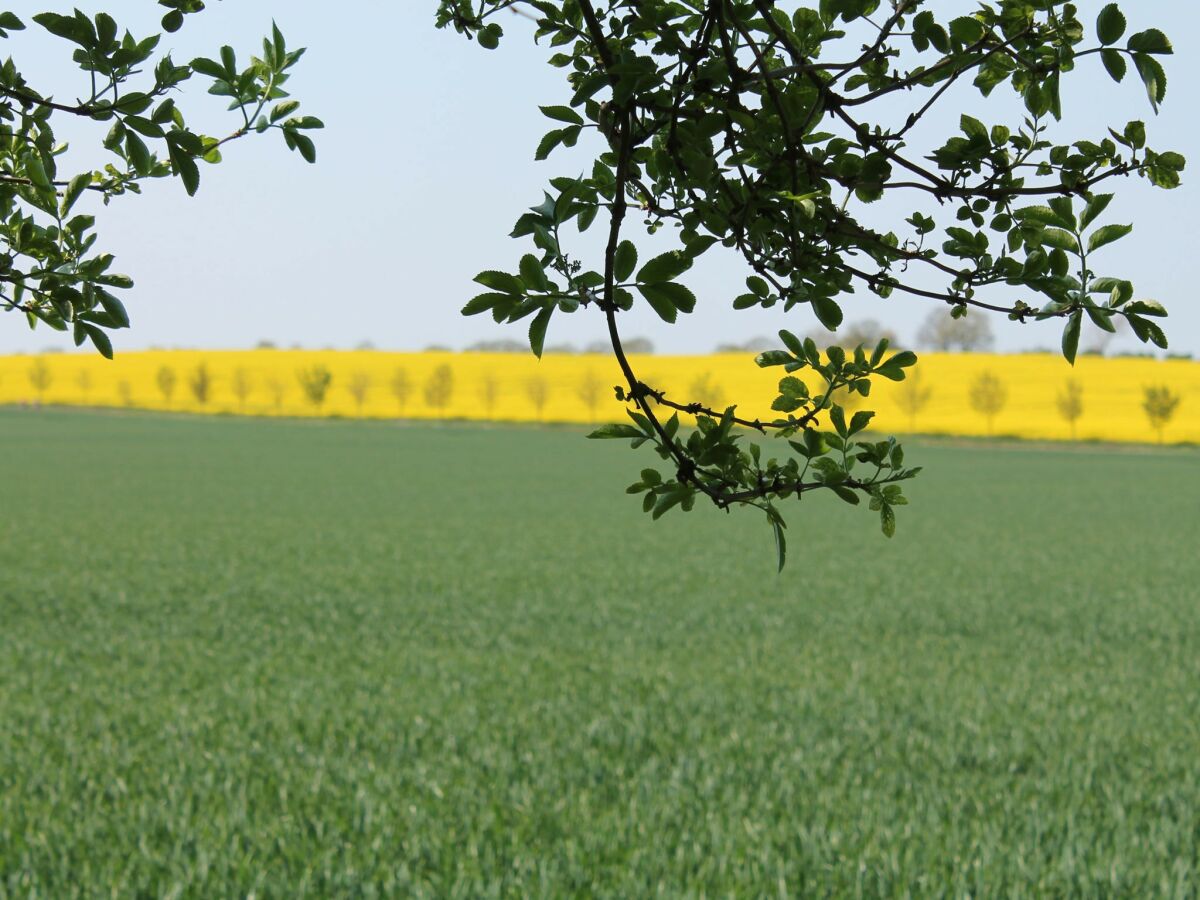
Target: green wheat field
<point x="327" y="659"/>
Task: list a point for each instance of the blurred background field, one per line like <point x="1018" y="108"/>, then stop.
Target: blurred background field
<point x="578" y="388"/>
<point x="309" y="658"/>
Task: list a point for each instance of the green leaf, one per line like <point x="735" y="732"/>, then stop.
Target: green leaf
<point x="1044" y="215"/>
<point x="1150" y="41"/>
<point x="625" y="260"/>
<point x="894" y="368"/>
<point x="828" y="312"/>
<point x="860" y="420"/>
<point x="185" y="167"/>
<point x="973" y="128"/>
<point x="502" y="282"/>
<point x="780" y="543"/>
<point x="680" y="296"/>
<point x="769" y="358"/>
<point x="1135" y="134"/>
<point x="665" y="267"/>
<point x="792" y="342"/>
<point x="887" y="519"/>
<point x="1146" y="308"/>
<point x="562" y="114"/>
<point x="837" y="416"/>
<point x="1107" y="235"/>
<point x="138" y="153"/>
<point x="1115" y="63"/>
<point x="1060" y="238"/>
<point x="307" y="148"/>
<point x="210" y="67"/>
<point x="1147" y="331"/>
<point x="1094" y="208"/>
<point x="489" y="36"/>
<point x="76" y="188"/>
<point x="1070" y="338"/>
<point x="661" y="301"/>
<point x="1153" y="77"/>
<point x="537" y="330"/>
<point x="484" y="302"/>
<point x="532" y="273"/>
<point x="116" y="309"/>
<point x="99" y="340"/>
<point x="1110" y="24"/>
<point x="549" y="141"/>
<point x="615" y="431"/>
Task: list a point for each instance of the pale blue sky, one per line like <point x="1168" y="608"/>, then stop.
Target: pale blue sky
<point x="427" y="160"/>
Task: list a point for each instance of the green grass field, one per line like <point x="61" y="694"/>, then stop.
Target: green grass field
<point x="342" y="659"/>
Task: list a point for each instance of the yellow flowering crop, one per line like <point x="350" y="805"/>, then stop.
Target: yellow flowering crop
<point x="579" y="388"/>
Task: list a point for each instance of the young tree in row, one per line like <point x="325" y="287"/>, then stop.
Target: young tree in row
<point x="125" y="393"/>
<point x="83" y="381"/>
<point x="590" y="390"/>
<point x="277" y="388"/>
<point x="40" y="378"/>
<point x="489" y="392"/>
<point x="439" y="389"/>
<point x="402" y="388"/>
<point x="1159" y="403"/>
<point x="537" y="389"/>
<point x="315" y="381"/>
<point x="988" y="396"/>
<point x="744" y="127"/>
<point x="53" y="271"/>
<point x="1070" y="403"/>
<point x="165" y="379"/>
<point x="200" y="383"/>
<point x="705" y="390"/>
<point x="358" y="387"/>
<point x="242" y="385"/>
<point x="912" y="396"/>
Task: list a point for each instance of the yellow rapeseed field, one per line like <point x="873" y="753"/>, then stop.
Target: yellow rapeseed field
<point x="578" y="388"/>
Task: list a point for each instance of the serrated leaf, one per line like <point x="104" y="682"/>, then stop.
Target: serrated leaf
<point x="537" y="330"/>
<point x="1106" y="235"/>
<point x="1060" y="238"/>
<point x="668" y="299"/>
<point x="1110" y="24"/>
<point x="1094" y="208"/>
<point x="625" y="260"/>
<point x="532" y="273"/>
<point x="1115" y="63"/>
<point x="770" y="358"/>
<point x="1150" y="41"/>
<point x="501" y="281"/>
<point x="1153" y="77"/>
<point x="549" y="141"/>
<point x="792" y="342"/>
<point x="483" y="302"/>
<point x="828" y="312"/>
<point x="562" y="114"/>
<point x="665" y="267"/>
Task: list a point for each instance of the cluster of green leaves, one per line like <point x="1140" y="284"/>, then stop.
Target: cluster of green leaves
<point x="50" y="268"/>
<point x="721" y="468"/>
<point x="738" y="124"/>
